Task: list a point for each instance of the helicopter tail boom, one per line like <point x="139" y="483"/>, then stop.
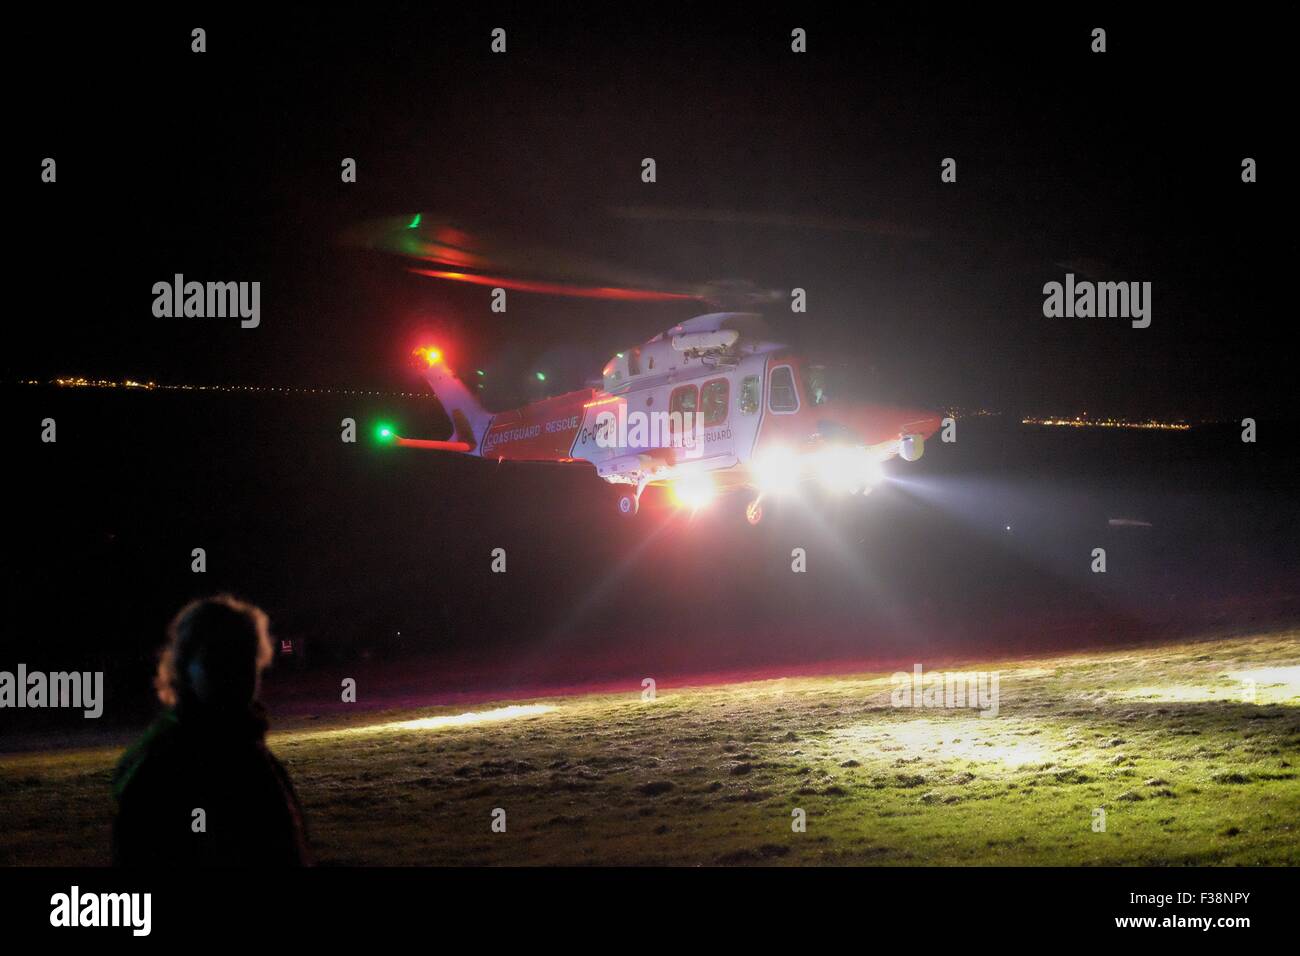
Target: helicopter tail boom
<point x="468" y="417"/>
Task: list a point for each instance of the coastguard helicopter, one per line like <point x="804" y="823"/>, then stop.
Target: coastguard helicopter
<point x="710" y="405"/>
<point x="707" y="406"/>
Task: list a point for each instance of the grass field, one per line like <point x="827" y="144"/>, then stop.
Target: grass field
<point x="1166" y="741"/>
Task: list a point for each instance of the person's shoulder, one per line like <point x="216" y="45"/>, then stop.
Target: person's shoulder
<point x="276" y="765"/>
<point x="154" y="746"/>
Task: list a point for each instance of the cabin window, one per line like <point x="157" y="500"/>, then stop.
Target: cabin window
<point x="713" y="402"/>
<point x="748" y="400"/>
<point x="684" y="401"/>
<point x="781" y="395"/>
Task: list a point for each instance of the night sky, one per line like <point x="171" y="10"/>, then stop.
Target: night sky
<point x="1122" y="166"/>
<point x="820" y="171"/>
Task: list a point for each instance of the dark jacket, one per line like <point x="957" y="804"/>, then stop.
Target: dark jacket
<point x="196" y="761"/>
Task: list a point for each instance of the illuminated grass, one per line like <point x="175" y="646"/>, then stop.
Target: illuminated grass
<point x="440" y="721"/>
<point x="1187" y="771"/>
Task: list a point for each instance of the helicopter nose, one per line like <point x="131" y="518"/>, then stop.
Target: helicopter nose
<point x="922" y="423"/>
<point x="873" y="424"/>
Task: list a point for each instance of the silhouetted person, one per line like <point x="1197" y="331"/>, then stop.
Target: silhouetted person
<point x="207" y="752"/>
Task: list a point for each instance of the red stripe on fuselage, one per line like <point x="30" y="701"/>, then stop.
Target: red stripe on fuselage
<point x="543" y="431"/>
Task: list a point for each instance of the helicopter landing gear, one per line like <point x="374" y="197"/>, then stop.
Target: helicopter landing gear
<point x="629" y="503"/>
<point x="754" y="510"/>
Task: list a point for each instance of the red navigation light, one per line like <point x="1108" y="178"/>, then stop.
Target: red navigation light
<point x="431" y="356"/>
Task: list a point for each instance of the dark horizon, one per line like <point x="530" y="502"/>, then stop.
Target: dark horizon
<point x="819" y="171"/>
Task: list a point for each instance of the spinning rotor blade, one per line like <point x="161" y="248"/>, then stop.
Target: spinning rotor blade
<point x="439" y="249"/>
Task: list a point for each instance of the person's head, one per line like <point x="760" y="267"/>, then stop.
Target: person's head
<point x="216" y="651"/>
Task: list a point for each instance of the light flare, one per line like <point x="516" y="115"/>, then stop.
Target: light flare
<point x="843" y="469"/>
<point x="465" y="720"/>
<point x="694" y="491"/>
<point x="776" y="471"/>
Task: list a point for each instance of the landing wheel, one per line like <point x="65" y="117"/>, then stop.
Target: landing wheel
<point x="754" y="511"/>
<point x="628" y="504"/>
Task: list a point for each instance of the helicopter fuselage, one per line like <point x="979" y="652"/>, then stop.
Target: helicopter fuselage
<point x="703" y="407"/>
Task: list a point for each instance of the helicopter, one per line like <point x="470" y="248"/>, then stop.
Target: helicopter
<point x="707" y="407"/>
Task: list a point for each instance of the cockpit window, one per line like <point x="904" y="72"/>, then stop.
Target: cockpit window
<point x="781" y="396"/>
<point x="748" y="401"/>
<point x="634" y="362"/>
